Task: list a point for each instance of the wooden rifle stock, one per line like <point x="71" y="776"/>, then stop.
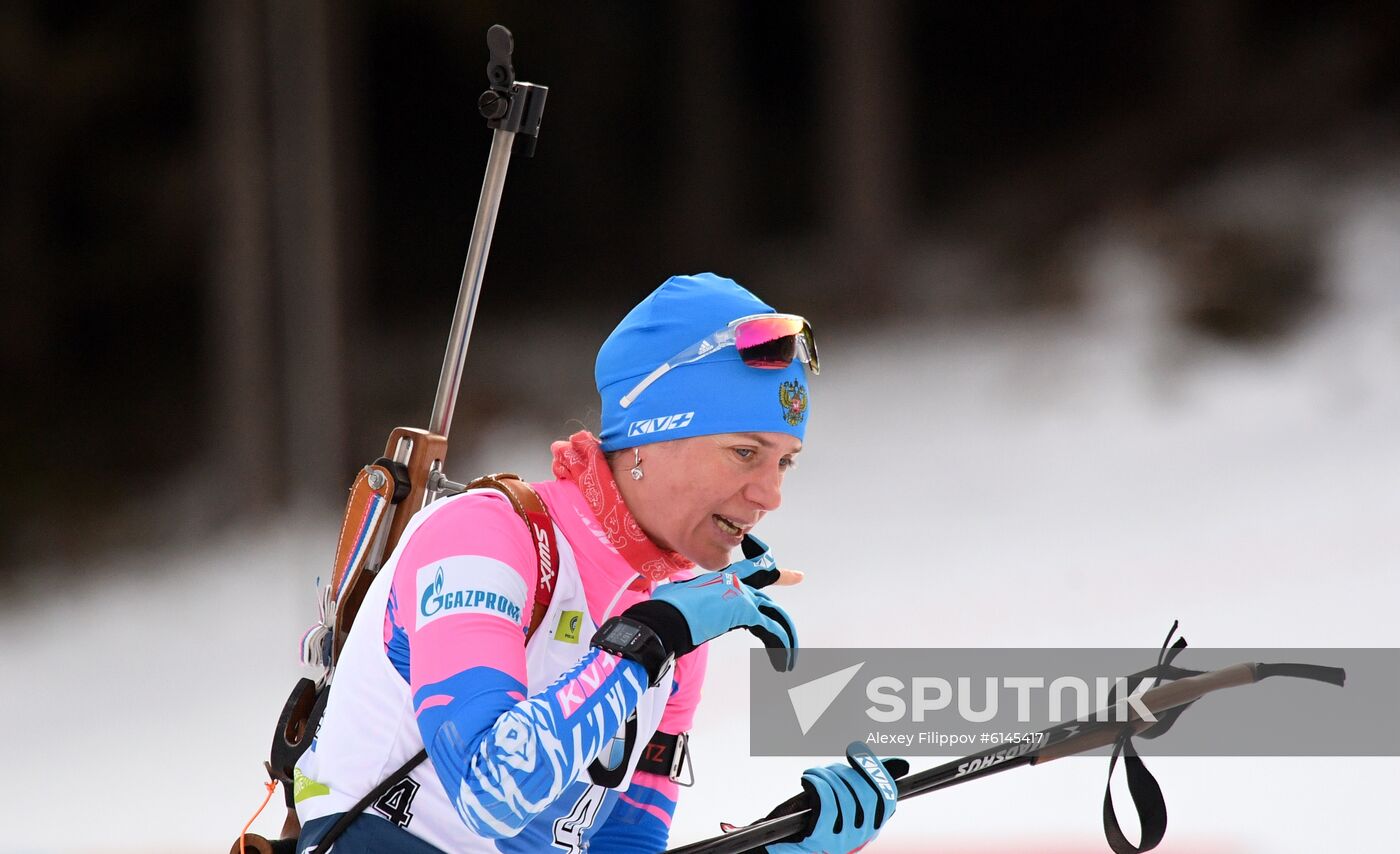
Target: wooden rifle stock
<point x="420" y="453"/>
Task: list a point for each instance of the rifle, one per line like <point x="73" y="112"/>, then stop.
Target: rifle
<point x="388" y="492"/>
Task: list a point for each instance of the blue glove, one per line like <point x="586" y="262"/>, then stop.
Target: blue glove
<point x="758" y="568"/>
<point x="850" y="804"/>
<point x="686" y="614"/>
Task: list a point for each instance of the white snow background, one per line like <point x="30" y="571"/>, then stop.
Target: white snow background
<point x="1070" y="482"/>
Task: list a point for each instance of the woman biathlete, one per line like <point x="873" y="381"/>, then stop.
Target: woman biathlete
<point x="571" y="740"/>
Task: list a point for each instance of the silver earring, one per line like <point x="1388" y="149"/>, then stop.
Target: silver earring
<point x="636" y="464"/>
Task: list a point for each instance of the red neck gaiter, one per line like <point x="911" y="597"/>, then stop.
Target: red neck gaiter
<point x="581" y="461"/>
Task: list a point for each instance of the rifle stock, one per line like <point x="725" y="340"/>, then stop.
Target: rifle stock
<point x="420" y="453"/>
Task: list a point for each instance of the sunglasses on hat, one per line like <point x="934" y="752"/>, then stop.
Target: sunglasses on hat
<point x="769" y="341"/>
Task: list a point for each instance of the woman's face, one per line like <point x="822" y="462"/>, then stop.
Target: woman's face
<point x="699" y="496"/>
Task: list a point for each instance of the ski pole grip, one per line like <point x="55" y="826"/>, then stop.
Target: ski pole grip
<point x="1159" y="699"/>
<point x="1192" y="688"/>
<point x="1317" y="672"/>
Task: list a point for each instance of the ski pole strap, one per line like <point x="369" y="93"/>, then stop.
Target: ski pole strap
<point x="1147" y="794"/>
<point x="1147" y="800"/>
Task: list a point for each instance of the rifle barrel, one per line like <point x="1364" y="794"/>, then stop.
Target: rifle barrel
<point x="450" y="380"/>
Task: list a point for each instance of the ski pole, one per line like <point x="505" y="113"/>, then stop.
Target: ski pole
<point x="1055" y="742"/>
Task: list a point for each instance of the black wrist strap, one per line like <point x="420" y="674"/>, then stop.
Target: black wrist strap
<point x="668" y="623"/>
<point x="668" y="755"/>
<point x="657" y="755"/>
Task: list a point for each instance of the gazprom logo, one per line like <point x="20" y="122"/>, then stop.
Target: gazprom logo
<point x="432" y="597"/>
<point x="660" y="425"/>
<point x="437" y="600"/>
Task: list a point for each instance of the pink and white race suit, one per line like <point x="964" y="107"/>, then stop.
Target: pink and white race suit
<point x="436" y="659"/>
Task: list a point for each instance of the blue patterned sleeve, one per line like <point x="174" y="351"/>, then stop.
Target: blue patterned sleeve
<point x="503" y="757"/>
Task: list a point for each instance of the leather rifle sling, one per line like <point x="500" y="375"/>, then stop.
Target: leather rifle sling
<point x="529" y="507"/>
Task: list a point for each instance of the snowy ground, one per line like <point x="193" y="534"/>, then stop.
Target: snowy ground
<point x="952" y="475"/>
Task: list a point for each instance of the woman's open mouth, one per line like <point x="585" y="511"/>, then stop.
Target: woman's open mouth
<point x="727" y="526"/>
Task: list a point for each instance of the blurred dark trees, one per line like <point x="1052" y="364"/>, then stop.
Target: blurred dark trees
<point x="231" y="232"/>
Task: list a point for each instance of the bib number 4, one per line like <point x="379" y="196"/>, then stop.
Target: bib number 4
<point x="395" y="804"/>
<point x="569" y="829"/>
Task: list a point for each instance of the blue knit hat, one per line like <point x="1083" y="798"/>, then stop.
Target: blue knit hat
<point x="715" y="394"/>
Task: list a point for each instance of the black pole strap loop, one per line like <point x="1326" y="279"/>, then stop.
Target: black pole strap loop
<point x="1147" y="799"/>
<point x="1147" y="795"/>
<point x="1170" y="649"/>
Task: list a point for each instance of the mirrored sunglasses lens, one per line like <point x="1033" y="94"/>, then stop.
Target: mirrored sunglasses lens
<point x="760" y="330"/>
<point x="768" y="342"/>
